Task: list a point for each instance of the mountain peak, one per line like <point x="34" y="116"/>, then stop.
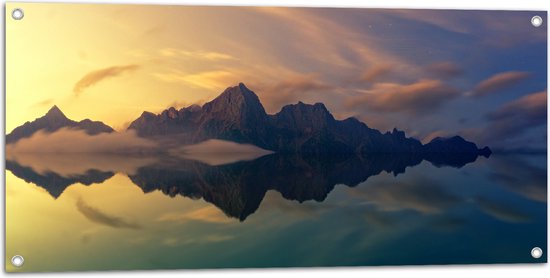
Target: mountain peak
<point x="237" y="98"/>
<point x="398" y="133"/>
<point x="240" y="90"/>
<point x="243" y="87"/>
<point x="55" y="112"/>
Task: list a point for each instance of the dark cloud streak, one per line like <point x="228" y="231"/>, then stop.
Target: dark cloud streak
<point x="420" y="194"/>
<point x="96" y="76"/>
<point x="502" y="211"/>
<point x="418" y="98"/>
<point x="499" y="82"/>
<point x="512" y="170"/>
<point x="445" y="69"/>
<point x="516" y="117"/>
<point x="102" y="218"/>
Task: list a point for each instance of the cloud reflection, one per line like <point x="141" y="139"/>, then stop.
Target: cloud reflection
<point x="97" y="216"/>
<point x="502" y="211"/>
<point x="205" y="214"/>
<point x="421" y="195"/>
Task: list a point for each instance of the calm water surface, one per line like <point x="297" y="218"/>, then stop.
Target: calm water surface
<point x="119" y="212"/>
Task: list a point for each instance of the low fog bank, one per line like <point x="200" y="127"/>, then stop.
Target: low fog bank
<point x="68" y="140"/>
<point x="70" y="152"/>
<point x="76" y="164"/>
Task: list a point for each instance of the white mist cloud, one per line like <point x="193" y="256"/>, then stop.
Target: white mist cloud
<point x="68" y="140"/>
<point x="77" y="164"/>
<point x="70" y="152"/>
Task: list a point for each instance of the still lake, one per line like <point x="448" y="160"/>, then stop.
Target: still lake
<point x="109" y="212"/>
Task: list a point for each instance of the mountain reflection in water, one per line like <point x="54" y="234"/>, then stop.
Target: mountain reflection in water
<point x="236" y="188"/>
<point x="273" y="211"/>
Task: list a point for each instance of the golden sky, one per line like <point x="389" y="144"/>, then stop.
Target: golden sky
<point x="111" y="62"/>
<point x="140" y="62"/>
<point x="424" y="71"/>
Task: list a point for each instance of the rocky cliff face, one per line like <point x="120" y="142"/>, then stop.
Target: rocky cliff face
<point x="238" y="115"/>
<point x="169" y="122"/>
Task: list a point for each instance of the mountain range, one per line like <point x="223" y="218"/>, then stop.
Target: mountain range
<point x="237" y="115"/>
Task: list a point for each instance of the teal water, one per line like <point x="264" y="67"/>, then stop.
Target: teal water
<point x="275" y="211"/>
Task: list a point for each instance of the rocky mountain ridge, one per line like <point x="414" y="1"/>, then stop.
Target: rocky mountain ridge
<point x="237" y="115"/>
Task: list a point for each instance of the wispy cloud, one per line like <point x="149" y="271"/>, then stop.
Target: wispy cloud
<point x="532" y="106"/>
<point x="96" y="76"/>
<point x="202" y="55"/>
<point x="421" y="97"/>
<point x="447" y="20"/>
<point x="214" y="80"/>
<point x="509" y="170"/>
<point x="97" y="216"/>
<point x="446" y="69"/>
<point x="512" y="121"/>
<point x="205" y="214"/>
<point x="349" y="51"/>
<point x="421" y="195"/>
<point x="290" y="88"/>
<point x="499" y="82"/>
<point x="502" y="211"/>
<point x="502" y="29"/>
<point x="68" y="140"/>
<point x="518" y="116"/>
<point x="374" y="73"/>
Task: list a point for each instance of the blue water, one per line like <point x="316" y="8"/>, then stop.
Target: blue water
<point x="280" y="212"/>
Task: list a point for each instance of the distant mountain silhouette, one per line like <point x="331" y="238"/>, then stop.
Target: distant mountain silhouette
<point x="460" y="150"/>
<point x="53" y="121"/>
<point x="237" y="115"/>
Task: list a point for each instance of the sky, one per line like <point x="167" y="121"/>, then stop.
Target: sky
<point x="478" y="74"/>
